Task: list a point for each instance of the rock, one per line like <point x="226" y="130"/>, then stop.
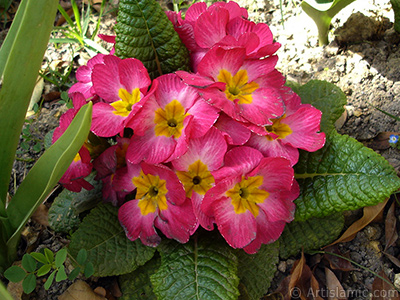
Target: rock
<point x="358" y="28"/>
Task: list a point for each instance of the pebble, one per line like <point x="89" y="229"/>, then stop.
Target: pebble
<point x="282" y="266"/>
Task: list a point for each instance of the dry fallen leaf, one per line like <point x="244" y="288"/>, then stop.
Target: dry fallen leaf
<point x="370" y="214"/>
<point x="302" y="282"/>
<point x="391" y="235"/>
<point x="336" y="262"/>
<point x="80" y="290"/>
<point x="41" y="215"/>
<point x="335" y="290"/>
<point x="382" y="290"/>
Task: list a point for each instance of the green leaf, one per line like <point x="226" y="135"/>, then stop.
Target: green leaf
<point x="144" y="32"/>
<point x="45" y="174"/>
<point x="61" y="256"/>
<point x="396" y="10"/>
<point x="199" y="269"/>
<point x="75" y="272"/>
<point x="4" y="294"/>
<point x="43" y="270"/>
<point x="29" y="283"/>
<point x="81" y="257"/>
<point x="65" y="210"/>
<point x="256" y="271"/>
<point x="311" y="234"/>
<point x="137" y="285"/>
<point x="49" y="255"/>
<point x="20" y="59"/>
<point x="39" y="257"/>
<point x="89" y="270"/>
<point x="61" y="275"/>
<point x="110" y="251"/>
<point x="49" y="280"/>
<point x="322" y="13"/>
<point x="325" y="96"/>
<point x="29" y="263"/>
<point x="15" y="274"/>
<point x="343" y="175"/>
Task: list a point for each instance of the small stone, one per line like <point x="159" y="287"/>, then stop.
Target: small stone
<point x="282" y="266"/>
<point x="397" y="280"/>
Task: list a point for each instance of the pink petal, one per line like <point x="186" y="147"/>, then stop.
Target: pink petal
<point x="104" y="122"/>
<point x="133" y="74"/>
<point x="105" y="78"/>
<point x="235" y="132"/>
<point x="195" y="80"/>
<point x="283" y="174"/>
<point x="237" y="229"/>
<point x="205" y="221"/>
<point x="210" y="27"/>
<point x="305" y="124"/>
<point x="150" y="148"/>
<point x="259" y="68"/>
<point x="204" y="116"/>
<point x="138" y="226"/>
<point x="171" y="87"/>
<point x="219" y="58"/>
<point x="210" y="149"/>
<point x="274" y="148"/>
<point x="178" y="221"/>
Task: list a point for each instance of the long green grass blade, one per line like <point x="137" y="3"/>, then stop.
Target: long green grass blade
<point x="77" y="16"/>
<point x="46" y="173"/>
<point x="19" y="78"/>
<point x="6" y="46"/>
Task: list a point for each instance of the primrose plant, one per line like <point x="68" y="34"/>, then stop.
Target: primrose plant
<point x="205" y="155"/>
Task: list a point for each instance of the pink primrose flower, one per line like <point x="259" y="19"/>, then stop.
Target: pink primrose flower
<point x="298" y="128"/>
<point x="236" y="86"/>
<point x="122" y="84"/>
<point x="160" y="203"/>
<point x="252" y="199"/>
<point x="223" y="24"/>
<point x="172" y="114"/>
<point x="81" y="166"/>
<point x="194" y="169"/>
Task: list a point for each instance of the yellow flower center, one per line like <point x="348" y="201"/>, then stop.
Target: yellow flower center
<point x="151" y="191"/>
<point x="169" y="121"/>
<point x="280" y="129"/>
<point x="77" y="157"/>
<point x="124" y="106"/>
<point x="246" y="194"/>
<point x="197" y="178"/>
<point x="237" y="86"/>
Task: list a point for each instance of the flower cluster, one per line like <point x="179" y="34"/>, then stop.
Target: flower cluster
<point x="213" y="146"/>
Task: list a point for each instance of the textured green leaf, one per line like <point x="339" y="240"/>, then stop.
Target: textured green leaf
<point x="137" y="285"/>
<point x="65" y="210"/>
<point x="343" y="175"/>
<point x="144" y="32"/>
<point x="257" y="270"/>
<point x="325" y="96"/>
<point x="199" y="269"/>
<point x="110" y="251"/>
<point x="310" y="235"/>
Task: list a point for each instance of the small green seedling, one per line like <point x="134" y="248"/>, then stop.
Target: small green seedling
<point x="40" y="264"/>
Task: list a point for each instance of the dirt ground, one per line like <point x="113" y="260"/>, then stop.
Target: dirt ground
<point x="364" y="63"/>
